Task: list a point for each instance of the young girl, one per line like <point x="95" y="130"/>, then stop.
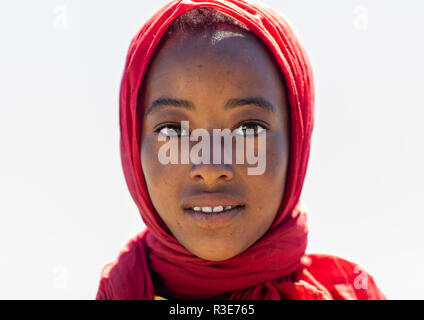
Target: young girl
<point x="214" y="231"/>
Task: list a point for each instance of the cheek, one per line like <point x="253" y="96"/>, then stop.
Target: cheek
<point x="277" y="154"/>
<point x="164" y="183"/>
<point x="153" y="170"/>
<point x="161" y="180"/>
<point x="277" y="162"/>
<point x="149" y="161"/>
<point x="277" y="157"/>
<point x="267" y="190"/>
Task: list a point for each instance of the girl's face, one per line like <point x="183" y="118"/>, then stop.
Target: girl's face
<point x="204" y="74"/>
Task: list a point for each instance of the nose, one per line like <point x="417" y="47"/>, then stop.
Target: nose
<point x="211" y="173"/>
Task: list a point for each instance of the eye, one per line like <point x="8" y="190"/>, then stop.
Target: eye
<point x="171" y="129"/>
<point x="257" y="128"/>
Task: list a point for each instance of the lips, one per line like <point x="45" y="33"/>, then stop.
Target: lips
<point x="208" y="209"/>
<point x="213" y="210"/>
<point x="214" y="220"/>
<point x="213" y="201"/>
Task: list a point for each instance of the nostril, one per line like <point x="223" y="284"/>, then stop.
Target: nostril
<point x="211" y="173"/>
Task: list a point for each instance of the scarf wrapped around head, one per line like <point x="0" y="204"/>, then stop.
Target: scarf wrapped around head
<point x="154" y="261"/>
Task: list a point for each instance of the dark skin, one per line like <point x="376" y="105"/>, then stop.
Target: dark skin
<point x="208" y="72"/>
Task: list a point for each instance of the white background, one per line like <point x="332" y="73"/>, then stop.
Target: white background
<point x="65" y="209"/>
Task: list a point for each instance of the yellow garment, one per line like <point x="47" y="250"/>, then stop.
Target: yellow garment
<point x="159" y="298"/>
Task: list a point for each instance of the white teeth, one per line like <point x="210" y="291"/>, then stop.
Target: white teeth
<point x="212" y="209"/>
<point x="218" y="209"/>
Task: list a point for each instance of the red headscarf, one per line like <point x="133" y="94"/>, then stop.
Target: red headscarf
<point x="275" y="267"/>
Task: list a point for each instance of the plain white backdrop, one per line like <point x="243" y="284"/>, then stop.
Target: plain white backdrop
<point x="65" y="209"/>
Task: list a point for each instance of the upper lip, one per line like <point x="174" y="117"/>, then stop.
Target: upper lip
<point x="211" y="200"/>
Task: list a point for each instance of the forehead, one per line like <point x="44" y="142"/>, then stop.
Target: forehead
<point x="223" y="61"/>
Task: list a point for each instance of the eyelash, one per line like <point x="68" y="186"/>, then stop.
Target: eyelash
<point x="166" y="125"/>
<point x="254" y="123"/>
<point x="244" y="123"/>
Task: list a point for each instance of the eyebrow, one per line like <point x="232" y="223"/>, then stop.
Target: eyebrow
<point x="164" y="102"/>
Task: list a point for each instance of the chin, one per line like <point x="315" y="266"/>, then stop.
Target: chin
<point x="219" y="253"/>
<point x="216" y="258"/>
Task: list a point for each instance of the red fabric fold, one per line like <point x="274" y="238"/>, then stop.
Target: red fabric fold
<point x="274" y="267"/>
